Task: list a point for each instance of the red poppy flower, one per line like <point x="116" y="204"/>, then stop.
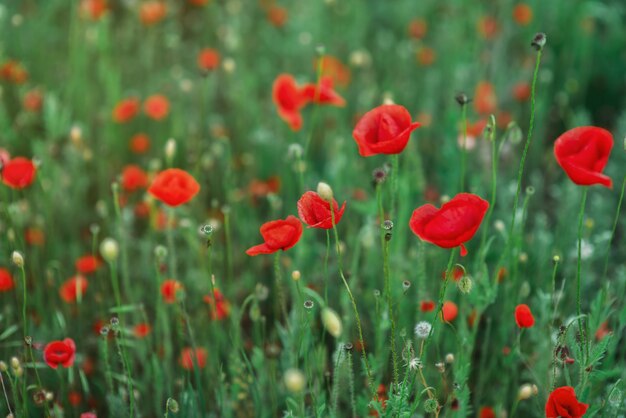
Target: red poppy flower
<point x="602" y="331"/>
<point x="562" y="403"/>
<point x="174" y="187"/>
<point x="139" y="143"/>
<point x="384" y="130"/>
<point x="34" y="236"/>
<point x="222" y="307"/>
<point x="323" y="94"/>
<point x="60" y="353"/>
<point x="151" y="12"/>
<point x="289" y="99"/>
<point x="208" y="59"/>
<point x="486" y="412"/>
<point x="426" y="56"/>
<point x="277" y="16"/>
<point x="189" y="359"/>
<point x="88" y="415"/>
<point x="142" y="330"/>
<point x="72" y="287"/>
<point x="522" y="14"/>
<point x="18" y="173"/>
<point x="261" y="188"/>
<point x="488" y="27"/>
<point x="13" y="71"/>
<point x="169" y="289"/>
<point x="33" y="100"/>
<point x="93" y="9"/>
<point x="6" y="280"/>
<point x="278" y="235"/>
<point x="126" y="110"/>
<point x="156" y="107"/>
<point x="87" y="264"/>
<point x="457" y="273"/>
<point x="449" y="311"/>
<point x="485" y="101"/>
<point x="453" y="225"/>
<point x="332" y="67"/>
<point x="134" y="178"/>
<point x="74" y="398"/>
<point x="521" y="91"/>
<point x="427" y="306"/>
<point x="583" y="153"/>
<point x="417" y="28"/>
<point x="315" y="211"/>
<point x="523" y="316"/>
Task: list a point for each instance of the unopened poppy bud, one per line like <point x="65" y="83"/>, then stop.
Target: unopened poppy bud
<point x="325" y="191"/>
<point x="3" y="367"/>
<point x="170" y="149"/>
<point x="490" y="128"/>
<point x="19" y="372"/>
<point x="525" y="392"/>
<point x="18" y="259"/>
<point x="160" y="252"/>
<point x="76" y="134"/>
<point x="172" y="405"/>
<point x="449" y="358"/>
<point x="15" y="363"/>
<point x="431" y="405"/>
<point x="539" y="41"/>
<point x="556" y="259"/>
<point x="261" y="292"/>
<point x="331" y="322"/>
<point x="294" y="380"/>
<point x="465" y="284"/>
<point x="444" y="198"/>
<point x="388" y="98"/>
<point x="462" y="99"/>
<point x="296" y="275"/>
<point x="109" y="249"/>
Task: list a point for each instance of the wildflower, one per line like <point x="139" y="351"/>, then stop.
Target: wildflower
<point x="87" y="264"/>
<point x="93" y="9"/>
<point x="152" y="12"/>
<point x="563" y="403"/>
<point x="174" y="187"/>
<point x="73" y="289"/>
<point x="331" y="67"/>
<point x="139" y="143"/>
<point x="331" y="322"/>
<point x="169" y="289"/>
<point x="583" y="153"/>
<point x="521" y="91"/>
<point x="156" y="107"/>
<point x="278" y="235"/>
<point x="486" y="412"/>
<point x="33" y="100"/>
<point x="294" y="380"/>
<point x="190" y="359"/>
<point x="384" y="130"/>
<point x="109" y="249"/>
<point x="208" y="59"/>
<point x="60" y="353"/>
<point x="18" y="259"/>
<point x="422" y="329"/>
<point x="525" y="392"/>
<point x="6" y="280"/>
<point x="142" y="330"/>
<point x="488" y="27"/>
<point x="134" y="178"/>
<point x="315" y="211"/>
<point x="427" y="306"/>
<point x="524" y="317"/>
<point x="277" y="16"/>
<point x="449" y="311"/>
<point x="417" y="28"/>
<point x="522" y="14"/>
<point x="453" y="224"/>
<point x="126" y="110"/>
<point x="18" y="173"/>
<point x="322" y="93"/>
<point x="289" y="100"/>
<point x="222" y="307"/>
<point x="485" y="101"/>
<point x="426" y="56"/>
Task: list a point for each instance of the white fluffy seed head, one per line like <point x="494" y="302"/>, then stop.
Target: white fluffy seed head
<point x="422" y="329"/>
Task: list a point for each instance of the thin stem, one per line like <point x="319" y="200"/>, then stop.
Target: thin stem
<point x="326" y="266"/>
<point x="463" y="147"/>
<point x="281" y="305"/>
<point x="619" y="208"/>
<point x="492" y="200"/>
<point x="395" y="167"/>
<point x="583" y="337"/>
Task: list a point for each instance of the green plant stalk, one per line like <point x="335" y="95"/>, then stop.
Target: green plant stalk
<point x="25" y="326"/>
<point x="463" y="147"/>
<point x="395" y="168"/>
<point x="170" y="243"/>
<point x="583" y="336"/>
<point x="326" y="266"/>
<point x="492" y="200"/>
<point x="281" y="305"/>
<point x="229" y="249"/>
<point x="6" y="396"/>
<point x="615" y="221"/>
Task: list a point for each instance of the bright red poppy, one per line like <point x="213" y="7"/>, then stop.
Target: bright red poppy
<point x="134" y="178"/>
<point x="583" y="153"/>
<point x="486" y="412"/>
<point x="93" y="9"/>
<point x="289" y="100"/>
<point x="278" y="235"/>
<point x="174" y="187"/>
<point x="6" y="280"/>
<point x="449" y="311"/>
<point x="523" y="316"/>
<point x="169" y="289"/>
<point x="73" y="287"/>
<point x="87" y="264"/>
<point x="208" y="59"/>
<point x="427" y="306"/>
<point x="18" y="173"/>
<point x="152" y="12"/>
<point x="323" y="93"/>
<point x="125" y="110"/>
<point x="139" y="143"/>
<point x="563" y="403"/>
<point x="522" y="14"/>
<point x="384" y="130"/>
<point x="60" y="353"/>
<point x="315" y="211"/>
<point x="453" y="224"/>
<point x="156" y="107"/>
<point x="142" y="330"/>
<point x="222" y="306"/>
<point x="190" y="359"/>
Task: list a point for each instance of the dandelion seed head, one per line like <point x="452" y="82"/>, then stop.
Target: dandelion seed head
<point x="422" y="329"/>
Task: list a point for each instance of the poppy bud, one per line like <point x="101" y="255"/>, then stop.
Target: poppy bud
<point x="325" y="191"/>
<point x="296" y="275"/>
<point x="15" y="363"/>
<point x="109" y="249"/>
<point x="465" y="284"/>
<point x="556" y="259"/>
<point x="18" y="259"/>
<point x="3" y="367"/>
<point x="525" y="392"/>
<point x="431" y="405"/>
<point x="172" y="405"/>
<point x="449" y="358"/>
<point x="170" y="149"/>
<point x="539" y="41"/>
<point x="294" y="380"/>
<point x="462" y="99"/>
<point x="331" y="322"/>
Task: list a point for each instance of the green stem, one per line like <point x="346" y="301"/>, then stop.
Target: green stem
<point x="492" y="200"/>
<point x="463" y="147"/>
<point x="281" y="305"/>
<point x="326" y="266"/>
<point x="583" y="337"/>
<point x="617" y="212"/>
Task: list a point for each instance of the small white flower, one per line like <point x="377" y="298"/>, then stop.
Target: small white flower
<point x="415" y="363"/>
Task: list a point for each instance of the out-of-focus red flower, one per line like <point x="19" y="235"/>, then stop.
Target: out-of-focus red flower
<point x="323" y="93"/>
<point x="134" y="178"/>
<point x="523" y="316"/>
<point x="457" y="273"/>
<point x="417" y="28"/>
<point x="485" y="101"/>
<point x="521" y="91"/>
<point x="156" y="107"/>
<point x="488" y="27"/>
<point x="486" y="412"/>
<point x="333" y="68"/>
<point x="34" y="236"/>
<point x="60" y="353"/>
<point x="449" y="311"/>
<point x="583" y="153"/>
<point x="222" y="306"/>
<point x="278" y="235"/>
<point x="384" y="130"/>
<point x="152" y="12"/>
<point x="289" y="100"/>
<point x="198" y="3"/>
<point x="125" y="110"/>
<point x="72" y="287"/>
<point x="427" y="306"/>
<point x="33" y="100"/>
<point x="562" y="403"/>
<point x="74" y="398"/>
<point x="208" y="59"/>
<point x="6" y="280"/>
<point x="139" y="143"/>
<point x="169" y="289"/>
<point x="277" y="15"/>
<point x="261" y="188"/>
<point x="603" y="330"/>
<point x="471" y="318"/>
<point x="190" y="359"/>
<point x="14" y="72"/>
<point x="174" y="187"/>
<point x="142" y="330"/>
<point x="315" y="211"/>
<point x="88" y="264"/>
<point x="453" y="224"/>
<point x="522" y="14"/>
<point x="426" y="56"/>
<point x="93" y="9"/>
<point x="18" y="173"/>
<point x="88" y="415"/>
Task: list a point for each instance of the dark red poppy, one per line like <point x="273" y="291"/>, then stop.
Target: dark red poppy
<point x="74" y="398"/>
<point x="563" y="403"/>
<point x="190" y="359"/>
<point x="323" y="93"/>
<point x="523" y="316"/>
<point x="134" y="178"/>
<point x="6" y="280"/>
<point x="449" y="311"/>
<point x="486" y="412"/>
<point x="60" y="353"/>
<point x="126" y="110"/>
<point x="87" y="264"/>
<point x="169" y="289"/>
<point x="289" y="100"/>
<point x="174" y="187"/>
<point x="278" y="235"/>
<point x="583" y="153"/>
<point x="315" y="211"/>
<point x="208" y="59"/>
<point x="73" y="287"/>
<point x="384" y="130"/>
<point x="453" y="225"/>
<point x="427" y="306"/>
<point x="18" y="173"/>
<point x="156" y="107"/>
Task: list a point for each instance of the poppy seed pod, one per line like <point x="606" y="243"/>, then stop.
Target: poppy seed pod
<point x="539" y="41"/>
<point x="331" y="322"/>
<point x="109" y="249"/>
<point x="325" y="191"/>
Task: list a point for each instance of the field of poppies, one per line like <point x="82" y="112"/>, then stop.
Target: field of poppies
<point x="329" y="208"/>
